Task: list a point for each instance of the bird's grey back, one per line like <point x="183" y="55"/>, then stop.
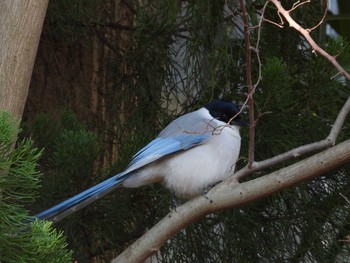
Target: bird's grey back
<point x="197" y="122"/>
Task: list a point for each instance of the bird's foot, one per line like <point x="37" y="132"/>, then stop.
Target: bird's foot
<point x="175" y="203"/>
<point x="207" y="189"/>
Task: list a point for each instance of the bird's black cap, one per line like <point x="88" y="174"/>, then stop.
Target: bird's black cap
<point x="225" y="110"/>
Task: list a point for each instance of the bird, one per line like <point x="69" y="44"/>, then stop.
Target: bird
<point x="191" y="154"/>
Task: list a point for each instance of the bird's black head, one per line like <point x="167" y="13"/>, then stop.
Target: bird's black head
<point x="224" y="110"/>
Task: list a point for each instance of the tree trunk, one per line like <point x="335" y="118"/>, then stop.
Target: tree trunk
<point x="20" y="28"/>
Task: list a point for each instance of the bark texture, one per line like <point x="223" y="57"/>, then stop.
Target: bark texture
<point x="20" y="28"/>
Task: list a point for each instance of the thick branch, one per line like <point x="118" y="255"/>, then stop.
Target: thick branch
<point x="230" y="194"/>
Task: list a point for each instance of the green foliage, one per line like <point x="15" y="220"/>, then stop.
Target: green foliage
<point x="70" y="152"/>
<point x="306" y="95"/>
<point x="40" y="243"/>
<point x="74" y="151"/>
<point x="67" y="163"/>
<point x="19" y="182"/>
<point x="71" y="20"/>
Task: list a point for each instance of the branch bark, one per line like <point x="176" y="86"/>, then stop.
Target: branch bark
<point x="20" y="28"/>
<point x="229" y="195"/>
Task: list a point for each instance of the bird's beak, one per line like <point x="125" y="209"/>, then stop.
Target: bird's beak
<point x="240" y="123"/>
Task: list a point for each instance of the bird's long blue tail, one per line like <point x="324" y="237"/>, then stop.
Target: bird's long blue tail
<point x="81" y="200"/>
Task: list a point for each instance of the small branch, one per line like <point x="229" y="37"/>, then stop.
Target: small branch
<point x="273" y="23"/>
<point x="306" y="34"/>
<point x="338" y="124"/>
<point x="256" y="48"/>
<point x="249" y="82"/>
<point x="251" y="88"/>
<point x="322" y="20"/>
<point x="297" y="4"/>
<point x="346" y="199"/>
<point x="299" y="151"/>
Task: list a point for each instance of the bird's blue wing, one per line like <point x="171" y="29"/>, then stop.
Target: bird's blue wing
<point x="161" y="147"/>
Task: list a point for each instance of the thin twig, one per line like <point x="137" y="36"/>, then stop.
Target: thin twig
<point x="297" y="4"/>
<point x="308" y="38"/>
<point x="256" y="48"/>
<point x="249" y="82"/>
<point x="346" y="199"/>
<point x="273" y="23"/>
<point x="321" y="21"/>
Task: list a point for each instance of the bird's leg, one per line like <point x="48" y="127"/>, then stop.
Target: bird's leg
<point x="207" y="189"/>
<point x="175" y="202"/>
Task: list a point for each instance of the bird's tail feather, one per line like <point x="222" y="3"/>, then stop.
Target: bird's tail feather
<point x="79" y="201"/>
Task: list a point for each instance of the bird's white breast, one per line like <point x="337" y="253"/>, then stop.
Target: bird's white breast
<point x="204" y="165"/>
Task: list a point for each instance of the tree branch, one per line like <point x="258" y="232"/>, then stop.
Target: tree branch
<point x="249" y="82"/>
<point x="309" y="39"/>
<point x="229" y="195"/>
<point x="312" y="147"/>
<point x="299" y="151"/>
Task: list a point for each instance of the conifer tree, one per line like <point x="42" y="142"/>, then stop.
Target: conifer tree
<point x="21" y="241"/>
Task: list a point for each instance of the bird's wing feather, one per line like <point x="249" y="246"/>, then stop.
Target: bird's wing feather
<point x="183" y="133"/>
<point x="161" y="147"/>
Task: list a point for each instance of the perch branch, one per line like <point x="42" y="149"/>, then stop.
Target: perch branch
<point x="229" y="195"/>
